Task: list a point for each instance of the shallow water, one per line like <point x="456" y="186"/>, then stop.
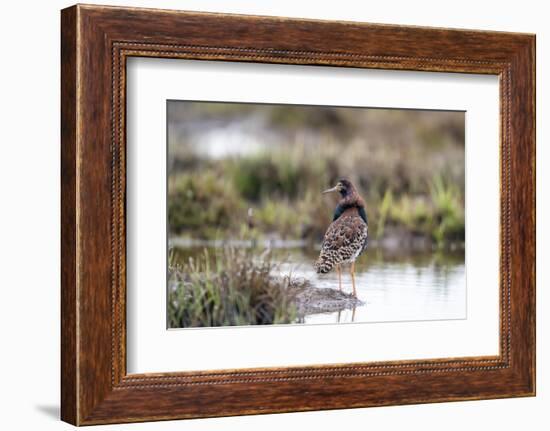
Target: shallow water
<point x="405" y="287"/>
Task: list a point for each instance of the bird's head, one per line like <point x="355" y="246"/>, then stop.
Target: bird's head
<point x="343" y="186"/>
<point x="349" y="198"/>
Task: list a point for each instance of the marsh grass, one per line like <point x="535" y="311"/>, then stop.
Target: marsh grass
<point x="449" y="211"/>
<point x="206" y="205"/>
<point x="233" y="287"/>
<point x="408" y="166"/>
<point x="202" y="203"/>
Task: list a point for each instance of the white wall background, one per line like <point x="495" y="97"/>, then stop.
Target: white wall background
<point x="29" y="215"/>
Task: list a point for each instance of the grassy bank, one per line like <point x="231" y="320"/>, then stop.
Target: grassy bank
<point x="234" y="287"/>
<point x="208" y="203"/>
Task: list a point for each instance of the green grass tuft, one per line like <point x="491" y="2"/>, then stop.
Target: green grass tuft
<point x="448" y="211"/>
<point x="232" y="288"/>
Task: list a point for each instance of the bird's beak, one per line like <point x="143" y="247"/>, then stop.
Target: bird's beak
<point x="334" y="189"/>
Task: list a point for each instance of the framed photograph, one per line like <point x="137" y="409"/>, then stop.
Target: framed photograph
<point x="264" y="215"/>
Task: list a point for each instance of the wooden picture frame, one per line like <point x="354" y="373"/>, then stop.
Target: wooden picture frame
<point x="95" y="43"/>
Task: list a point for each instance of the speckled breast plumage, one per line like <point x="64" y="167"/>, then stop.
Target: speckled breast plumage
<point x="345" y="240"/>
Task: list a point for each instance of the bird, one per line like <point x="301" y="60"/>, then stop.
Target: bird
<point x="346" y="237"/>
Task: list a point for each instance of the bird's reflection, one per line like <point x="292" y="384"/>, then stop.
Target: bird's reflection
<point x="339" y="315"/>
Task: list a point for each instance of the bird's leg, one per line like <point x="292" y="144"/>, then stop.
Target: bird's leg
<point x="339" y="277"/>
<point x="352" y="271"/>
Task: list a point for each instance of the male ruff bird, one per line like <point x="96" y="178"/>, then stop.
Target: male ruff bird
<point x="346" y="237"/>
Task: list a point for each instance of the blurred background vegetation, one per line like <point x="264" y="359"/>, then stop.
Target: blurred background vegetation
<point x="232" y="166"/>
